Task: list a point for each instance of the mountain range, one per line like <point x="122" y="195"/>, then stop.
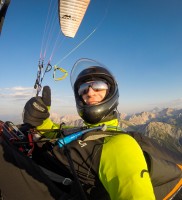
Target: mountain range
<point x="163" y="125"/>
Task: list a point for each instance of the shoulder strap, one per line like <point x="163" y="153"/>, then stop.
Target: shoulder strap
<point x="99" y="134"/>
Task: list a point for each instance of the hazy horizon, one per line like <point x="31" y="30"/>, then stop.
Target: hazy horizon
<point x="17" y="117"/>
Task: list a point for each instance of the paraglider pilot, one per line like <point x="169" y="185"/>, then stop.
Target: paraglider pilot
<point x="110" y="164"/>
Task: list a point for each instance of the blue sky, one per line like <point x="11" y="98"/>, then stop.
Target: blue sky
<point x="139" y="41"/>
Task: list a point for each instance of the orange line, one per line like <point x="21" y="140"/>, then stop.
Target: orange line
<point x="173" y="190"/>
<point x="180" y="166"/>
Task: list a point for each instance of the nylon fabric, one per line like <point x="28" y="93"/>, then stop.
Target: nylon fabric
<point x="163" y="171"/>
<point x="21" y="178"/>
<point x="163" y="166"/>
<point x="48" y="124"/>
<point x="134" y="155"/>
<point x="123" y="179"/>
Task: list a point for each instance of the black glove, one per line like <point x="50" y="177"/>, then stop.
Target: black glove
<point x="36" y="110"/>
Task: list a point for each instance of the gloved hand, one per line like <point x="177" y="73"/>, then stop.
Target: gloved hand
<point x="36" y="110"/>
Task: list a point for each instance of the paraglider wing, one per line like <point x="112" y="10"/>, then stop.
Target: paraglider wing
<point x="71" y="13"/>
<point x="3" y="8"/>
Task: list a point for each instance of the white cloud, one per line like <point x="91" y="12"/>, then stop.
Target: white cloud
<point x="13" y="100"/>
<point x="19" y="88"/>
<point x="16" y="93"/>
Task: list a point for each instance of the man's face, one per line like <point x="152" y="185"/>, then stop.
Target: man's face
<point x="94" y="97"/>
<point x="93" y="92"/>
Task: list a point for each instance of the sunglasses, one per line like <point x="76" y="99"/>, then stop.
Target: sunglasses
<point x="95" y="85"/>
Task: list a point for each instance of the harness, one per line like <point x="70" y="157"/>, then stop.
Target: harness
<point x="23" y="139"/>
<point x="164" y="165"/>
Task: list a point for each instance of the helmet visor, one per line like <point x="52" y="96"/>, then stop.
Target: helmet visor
<point x="95" y="85"/>
<point x="80" y="66"/>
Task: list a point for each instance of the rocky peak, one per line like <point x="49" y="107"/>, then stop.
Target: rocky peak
<point x="165" y="134"/>
<point x="142" y="118"/>
<point x="166" y="112"/>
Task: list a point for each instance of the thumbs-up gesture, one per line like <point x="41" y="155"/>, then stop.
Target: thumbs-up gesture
<point x="36" y="110"/>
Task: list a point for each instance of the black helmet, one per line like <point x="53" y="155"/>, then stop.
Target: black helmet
<point x="87" y="70"/>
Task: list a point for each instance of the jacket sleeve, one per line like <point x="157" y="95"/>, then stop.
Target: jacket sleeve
<point x="48" y="124"/>
<point x="123" y="170"/>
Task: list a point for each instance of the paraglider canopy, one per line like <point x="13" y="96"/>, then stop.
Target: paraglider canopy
<point x="71" y="13"/>
<point x="3" y="8"/>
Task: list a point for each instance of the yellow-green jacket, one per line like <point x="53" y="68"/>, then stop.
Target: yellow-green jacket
<point x="109" y="166"/>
